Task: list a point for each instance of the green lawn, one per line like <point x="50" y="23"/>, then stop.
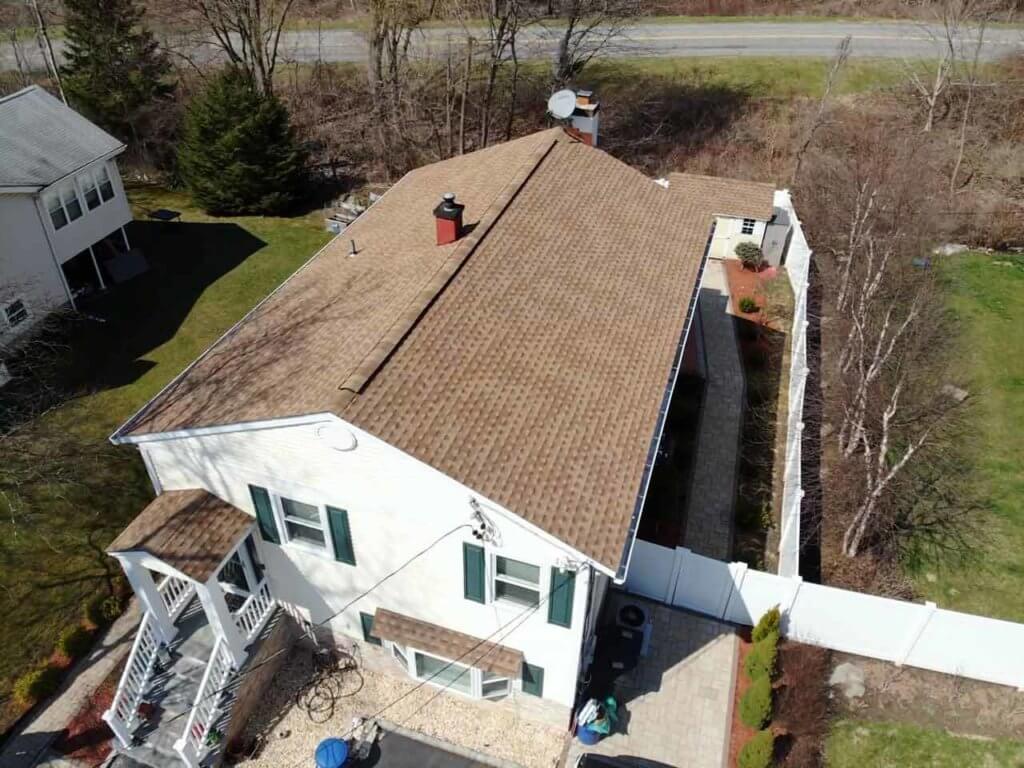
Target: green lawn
<point x="205" y="273"/>
<point x="987" y="294"/>
<point x="854" y="744"/>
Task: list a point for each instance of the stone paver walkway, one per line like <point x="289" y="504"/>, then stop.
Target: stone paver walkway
<point x="677" y="703"/>
<point x="29" y="745"/>
<point x="709" y="514"/>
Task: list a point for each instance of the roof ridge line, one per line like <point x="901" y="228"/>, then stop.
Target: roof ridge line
<point x="435" y="285"/>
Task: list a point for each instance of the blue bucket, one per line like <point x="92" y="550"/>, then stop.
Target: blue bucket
<point x="587" y="737"/>
<point x="331" y="753"/>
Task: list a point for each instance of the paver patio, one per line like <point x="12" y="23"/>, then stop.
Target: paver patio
<point x="677" y="702"/>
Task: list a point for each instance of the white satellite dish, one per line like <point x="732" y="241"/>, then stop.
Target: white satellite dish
<point x="562" y="103"/>
<point x="336" y="436"/>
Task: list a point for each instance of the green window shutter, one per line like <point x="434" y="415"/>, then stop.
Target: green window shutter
<point x="473" y="573"/>
<point x="560" y="598"/>
<point x="367" y="621"/>
<point x="264" y="514"/>
<point x="533" y="679"/>
<point x="342" y="536"/>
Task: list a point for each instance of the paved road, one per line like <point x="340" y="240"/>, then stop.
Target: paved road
<point x="893" y="40"/>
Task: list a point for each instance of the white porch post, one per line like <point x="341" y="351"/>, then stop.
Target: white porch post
<point x="96" y="266"/>
<point x="152" y="601"/>
<point x="223" y="623"/>
<point x="124" y="236"/>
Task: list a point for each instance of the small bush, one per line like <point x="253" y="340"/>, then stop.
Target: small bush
<point x="761" y="660"/>
<point x="113" y="606"/>
<point x="767" y="624"/>
<point x="74" y="641"/>
<point x="757" y="753"/>
<point x="750" y="255"/>
<point x="37" y="685"/>
<point x="756" y="704"/>
<point x="748" y="305"/>
<point x="93" y="610"/>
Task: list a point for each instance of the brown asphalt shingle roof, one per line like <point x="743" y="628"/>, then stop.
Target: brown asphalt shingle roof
<point x="193" y="531"/>
<point x="447" y="643"/>
<point x="529" y="360"/>
<point x="727" y="197"/>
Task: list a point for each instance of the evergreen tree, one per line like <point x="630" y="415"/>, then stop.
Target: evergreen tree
<point x="114" y="70"/>
<point x="238" y="153"/>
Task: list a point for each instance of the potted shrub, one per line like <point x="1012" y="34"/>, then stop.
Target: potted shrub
<point x="748" y="305"/>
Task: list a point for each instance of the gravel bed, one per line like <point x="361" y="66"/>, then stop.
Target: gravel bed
<point x="292" y="732"/>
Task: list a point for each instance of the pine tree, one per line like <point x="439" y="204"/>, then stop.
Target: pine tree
<point x="114" y="70"/>
<point x="238" y="153"/>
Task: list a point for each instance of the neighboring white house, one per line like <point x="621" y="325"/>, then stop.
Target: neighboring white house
<point x="62" y="206"/>
<point x="453" y="408"/>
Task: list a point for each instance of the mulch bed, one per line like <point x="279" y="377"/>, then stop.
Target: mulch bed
<point x="87" y="738"/>
<point x="740" y="734"/>
<point x="747" y="282"/>
<point x="801" y="710"/>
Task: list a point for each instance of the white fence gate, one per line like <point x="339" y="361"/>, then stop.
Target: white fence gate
<point x="798" y="262"/>
<point x="919" y="635"/>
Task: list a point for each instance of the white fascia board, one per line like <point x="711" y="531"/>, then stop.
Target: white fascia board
<point x="26" y="190"/>
<point x="220" y="429"/>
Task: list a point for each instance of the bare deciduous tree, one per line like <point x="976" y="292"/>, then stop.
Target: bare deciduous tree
<point x="590" y="27"/>
<point x="842" y="54"/>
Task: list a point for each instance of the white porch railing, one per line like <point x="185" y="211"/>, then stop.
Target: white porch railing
<point x="192" y="746"/>
<point x="254" y="612"/>
<point x="176" y="594"/>
<point x="123" y="715"/>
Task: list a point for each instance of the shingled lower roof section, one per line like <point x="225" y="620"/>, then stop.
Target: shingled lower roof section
<point x="529" y="361"/>
<point x="192" y="531"/>
<point x="448" y="644"/>
<point x="727" y="197"/>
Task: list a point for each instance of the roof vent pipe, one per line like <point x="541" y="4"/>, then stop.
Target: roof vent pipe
<point x="448" y="216"/>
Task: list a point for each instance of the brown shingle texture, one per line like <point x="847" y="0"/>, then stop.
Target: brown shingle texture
<point x="192" y="531"/>
<point x="448" y="644"/>
<point x="727" y="197"/>
<point x="529" y="360"/>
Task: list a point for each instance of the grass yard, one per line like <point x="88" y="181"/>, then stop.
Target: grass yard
<point x="985" y="291"/>
<point x="855" y="744"/>
<point x="205" y="273"/>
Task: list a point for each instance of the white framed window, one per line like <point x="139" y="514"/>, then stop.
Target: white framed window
<point x="105" y="184"/>
<point x="90" y="191"/>
<point x="303" y="522"/>
<point x="747" y="228"/>
<point x="515" y="581"/>
<point x="450" y="675"/>
<point x="15" y="313"/>
<point x="63" y="204"/>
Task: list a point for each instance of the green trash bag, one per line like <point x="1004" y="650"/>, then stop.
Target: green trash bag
<point x="604" y="724"/>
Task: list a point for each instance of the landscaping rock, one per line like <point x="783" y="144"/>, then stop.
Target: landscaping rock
<point x="849" y="678"/>
<point x="950" y="249"/>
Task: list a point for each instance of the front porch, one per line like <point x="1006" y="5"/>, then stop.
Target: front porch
<point x="200" y="621"/>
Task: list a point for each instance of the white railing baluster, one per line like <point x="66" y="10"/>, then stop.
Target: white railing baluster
<point x="123" y="715"/>
<point x="192" y="746"/>
<point x="254" y="612"/>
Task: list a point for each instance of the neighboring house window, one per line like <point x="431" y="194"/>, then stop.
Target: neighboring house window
<point x="63" y="204"/>
<point x="302" y="522"/>
<point x="96" y="187"/>
<point x="516" y="581"/>
<point x="748" y="227"/>
<point x="15" y="313"/>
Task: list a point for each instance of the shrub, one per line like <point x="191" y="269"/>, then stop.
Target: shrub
<point x="239" y="153"/>
<point x="748" y="305"/>
<point x="37" y="684"/>
<point x="757" y="753"/>
<point x="756" y="704"/>
<point x="761" y="660"/>
<point x="750" y="255"/>
<point x="93" y="610"/>
<point x="767" y="624"/>
<point x="74" y="641"/>
<point x="113" y="606"/>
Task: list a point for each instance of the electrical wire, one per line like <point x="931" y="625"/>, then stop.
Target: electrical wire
<point x="287" y="648"/>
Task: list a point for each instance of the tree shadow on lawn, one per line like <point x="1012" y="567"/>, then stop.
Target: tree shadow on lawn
<point x="143" y="313"/>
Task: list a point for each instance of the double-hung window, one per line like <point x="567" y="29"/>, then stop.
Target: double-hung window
<point x="63" y="204"/>
<point x="90" y="191"/>
<point x="303" y="522"/>
<point x="516" y="581"/>
<point x="747" y="227"/>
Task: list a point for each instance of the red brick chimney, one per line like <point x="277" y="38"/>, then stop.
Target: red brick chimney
<point x="448" y="216"/>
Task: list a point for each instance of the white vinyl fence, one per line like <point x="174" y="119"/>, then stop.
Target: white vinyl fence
<point x="798" y="261"/>
<point x="918" y="635"/>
